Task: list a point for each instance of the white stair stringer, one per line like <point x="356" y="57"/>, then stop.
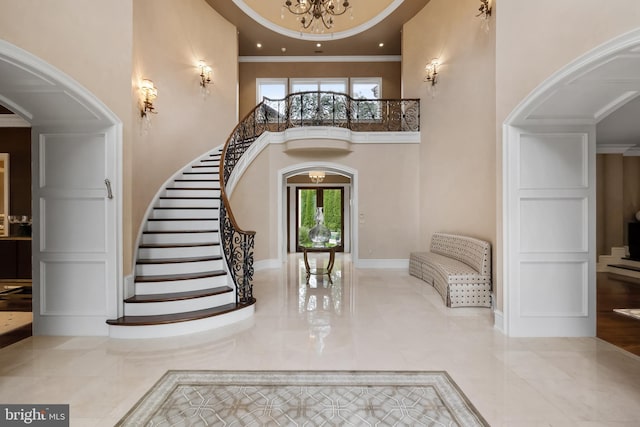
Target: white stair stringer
<point x="181" y="280"/>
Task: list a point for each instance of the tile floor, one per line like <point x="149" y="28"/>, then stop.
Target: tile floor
<point x="366" y="320"/>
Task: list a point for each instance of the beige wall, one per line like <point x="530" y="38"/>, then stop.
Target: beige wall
<point x="457" y="153"/>
<point x="250" y="71"/>
<point x="170" y="37"/>
<point x="387" y="197"/>
<point x="618" y="199"/>
<point x="536" y="39"/>
<point x="91" y="41"/>
<point x="108" y="46"/>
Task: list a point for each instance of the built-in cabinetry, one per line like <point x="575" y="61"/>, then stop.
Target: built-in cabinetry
<point x="15" y="256"/>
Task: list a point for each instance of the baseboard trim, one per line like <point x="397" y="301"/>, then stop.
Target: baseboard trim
<point x="266" y="264"/>
<point x="383" y="263"/>
<point x="498" y="321"/>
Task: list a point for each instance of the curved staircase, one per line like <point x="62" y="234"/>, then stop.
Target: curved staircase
<point x="181" y="283"/>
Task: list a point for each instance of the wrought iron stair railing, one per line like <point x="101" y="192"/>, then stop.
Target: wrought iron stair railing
<point x="297" y="110"/>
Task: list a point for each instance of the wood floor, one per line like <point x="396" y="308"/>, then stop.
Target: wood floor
<point x="15" y="303"/>
<point x="616" y="291"/>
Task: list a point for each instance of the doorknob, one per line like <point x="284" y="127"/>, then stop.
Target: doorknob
<point x="109" y="192"/>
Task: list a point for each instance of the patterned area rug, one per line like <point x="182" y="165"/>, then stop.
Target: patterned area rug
<point x="287" y="398"/>
<point x="631" y="312"/>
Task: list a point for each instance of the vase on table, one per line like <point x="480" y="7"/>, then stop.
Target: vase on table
<point x="319" y="233"/>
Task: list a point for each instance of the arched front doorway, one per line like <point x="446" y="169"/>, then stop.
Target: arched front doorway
<point x="351" y="230"/>
<point x="77" y="203"/>
<point x="549" y="222"/>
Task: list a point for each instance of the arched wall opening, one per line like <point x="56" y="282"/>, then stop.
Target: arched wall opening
<point x="352" y="201"/>
<point x="548" y="177"/>
<point x="76" y="195"/>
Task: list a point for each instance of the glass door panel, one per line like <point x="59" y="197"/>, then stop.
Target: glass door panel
<point x="307" y="203"/>
<point x="333" y="213"/>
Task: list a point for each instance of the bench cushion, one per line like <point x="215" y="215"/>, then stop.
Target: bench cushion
<point x="473" y="252"/>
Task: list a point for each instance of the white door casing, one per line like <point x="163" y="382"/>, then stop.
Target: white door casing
<point x="77" y="229"/>
<point x="548" y="187"/>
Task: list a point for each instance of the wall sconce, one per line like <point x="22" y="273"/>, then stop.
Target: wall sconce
<point x="149" y="94"/>
<point x="205" y="73"/>
<point x="431" y="72"/>
<point x="316" y="176"/>
<point x="484" y="14"/>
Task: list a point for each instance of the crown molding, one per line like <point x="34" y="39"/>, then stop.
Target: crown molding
<point x="353" y="58"/>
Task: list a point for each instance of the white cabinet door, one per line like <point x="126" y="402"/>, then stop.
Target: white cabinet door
<point x="550" y="283"/>
<point x="74" y="233"/>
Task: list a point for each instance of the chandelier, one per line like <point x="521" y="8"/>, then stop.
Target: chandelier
<point x="313" y="12"/>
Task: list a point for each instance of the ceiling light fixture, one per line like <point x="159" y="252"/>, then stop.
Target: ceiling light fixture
<point x="316" y="14"/>
<point x="258" y="45"/>
<point x="316" y="176"/>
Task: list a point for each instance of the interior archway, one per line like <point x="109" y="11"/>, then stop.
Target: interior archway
<point x="299" y="168"/>
<point x="549" y="148"/>
<point x="70" y="197"/>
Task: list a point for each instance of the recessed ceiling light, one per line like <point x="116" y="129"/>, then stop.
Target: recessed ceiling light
<point x="381" y="45"/>
<point x="318" y="44"/>
<point x="259" y="45"/>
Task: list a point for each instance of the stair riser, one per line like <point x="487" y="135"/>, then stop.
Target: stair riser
<point x="178" y="268"/>
<point x="165" y="253"/>
<point x="194" y="192"/>
<point x="189" y="203"/>
<point x="182" y="225"/>
<point x="199" y="174"/>
<point x="148" y="288"/>
<point x="180" y="238"/>
<point x="185" y="213"/>
<point x="211" y="169"/>
<point x="183" y="306"/>
<point x="195" y="184"/>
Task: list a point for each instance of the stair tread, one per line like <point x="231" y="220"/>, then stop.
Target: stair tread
<point x="178" y="296"/>
<point x="183" y="276"/>
<point x="176" y="245"/>
<point x="193" y="188"/>
<point x="196" y="180"/>
<point x="189" y="197"/>
<point x="180" y="232"/>
<point x="178" y="260"/>
<point x="625" y="267"/>
<point x="178" y="317"/>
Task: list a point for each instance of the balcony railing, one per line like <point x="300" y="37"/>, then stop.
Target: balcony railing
<point x="340" y="110"/>
<point x="297" y="110"/>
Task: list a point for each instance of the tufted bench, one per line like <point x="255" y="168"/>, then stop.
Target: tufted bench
<point x="459" y="267"/>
